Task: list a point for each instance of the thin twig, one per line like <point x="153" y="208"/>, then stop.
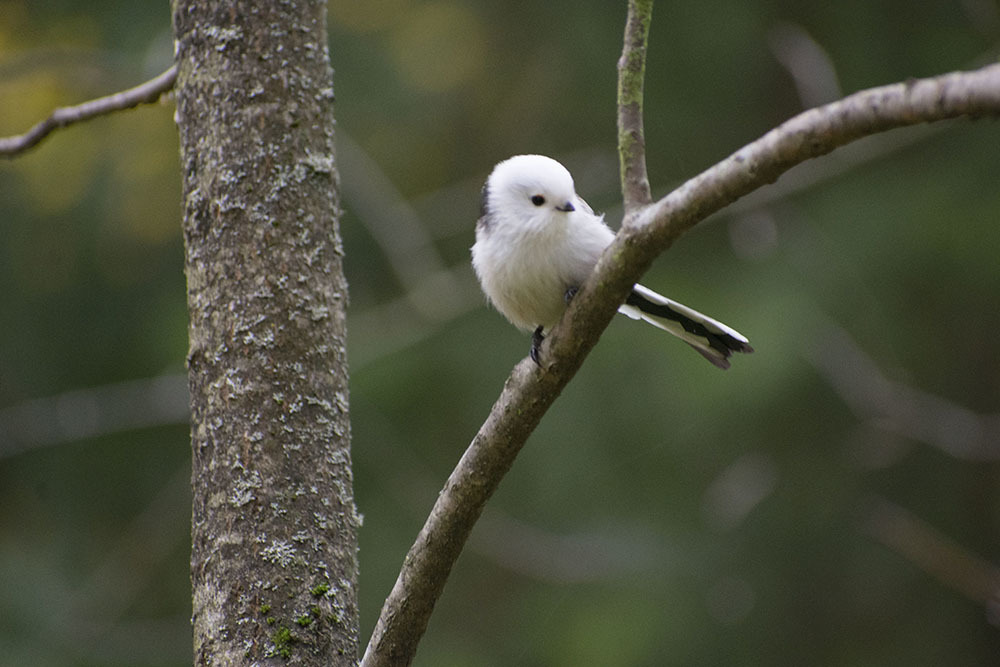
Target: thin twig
<point x="145" y="93"/>
<point x="898" y="408"/>
<point x="93" y="412"/>
<point x="631" y="74"/>
<point x="647" y="232"/>
<point x="933" y="552"/>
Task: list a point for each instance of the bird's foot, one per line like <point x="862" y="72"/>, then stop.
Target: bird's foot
<point x="536" y="342"/>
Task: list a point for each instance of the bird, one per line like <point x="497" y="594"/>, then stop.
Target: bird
<point x="537" y="241"/>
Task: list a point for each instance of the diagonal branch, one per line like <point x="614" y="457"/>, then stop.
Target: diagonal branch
<point x="145" y="93"/>
<point x="647" y="231"/>
<point x="810" y="134"/>
<point x="651" y="230"/>
<point x="934" y="552"/>
<point x="631" y="74"/>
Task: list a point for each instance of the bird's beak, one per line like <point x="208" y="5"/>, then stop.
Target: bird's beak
<point x="566" y="208"/>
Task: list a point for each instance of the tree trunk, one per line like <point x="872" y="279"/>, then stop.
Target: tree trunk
<point x="274" y="528"/>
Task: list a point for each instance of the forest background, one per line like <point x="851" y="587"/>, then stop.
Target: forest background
<point x="832" y="499"/>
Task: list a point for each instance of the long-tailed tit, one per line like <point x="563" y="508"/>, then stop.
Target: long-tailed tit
<point x="537" y="241"/>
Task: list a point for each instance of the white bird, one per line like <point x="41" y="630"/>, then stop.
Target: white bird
<point x="537" y="241"/>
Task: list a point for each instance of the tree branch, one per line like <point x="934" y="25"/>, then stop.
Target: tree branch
<point x="813" y="133"/>
<point x="898" y="408"/>
<point x="145" y="93"/>
<point x="631" y="74"/>
<point x="526" y="396"/>
<point x="933" y="552"/>
<point x="650" y="230"/>
<point x="646" y="232"/>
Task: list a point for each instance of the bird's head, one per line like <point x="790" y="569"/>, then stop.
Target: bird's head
<point x="529" y="188"/>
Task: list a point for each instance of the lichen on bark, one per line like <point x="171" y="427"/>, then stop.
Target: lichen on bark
<point x="273" y="511"/>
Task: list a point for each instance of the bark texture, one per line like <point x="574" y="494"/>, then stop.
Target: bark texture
<point x="631" y="80"/>
<point x="274" y="527"/>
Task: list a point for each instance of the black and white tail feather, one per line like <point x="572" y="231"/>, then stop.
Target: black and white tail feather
<point x="710" y="338"/>
<point x="537" y="241"/>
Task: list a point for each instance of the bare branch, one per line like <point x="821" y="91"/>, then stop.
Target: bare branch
<point x="631" y="74"/>
<point x="93" y="412"/>
<point x="646" y="232"/>
<point x="651" y="230"/>
<point x="526" y="396"/>
<point x="934" y="552"/>
<point x="898" y="408"/>
<point x="811" y="134"/>
<point x="810" y="67"/>
<point x="145" y="93"/>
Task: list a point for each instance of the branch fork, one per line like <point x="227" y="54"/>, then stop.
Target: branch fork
<point x="648" y="229"/>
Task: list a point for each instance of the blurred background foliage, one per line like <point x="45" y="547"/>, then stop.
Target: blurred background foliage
<point x="831" y="500"/>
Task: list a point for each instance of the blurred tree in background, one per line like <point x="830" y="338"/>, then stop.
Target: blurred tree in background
<point x="832" y="499"/>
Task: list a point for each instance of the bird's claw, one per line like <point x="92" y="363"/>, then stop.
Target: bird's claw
<point x="536" y="343"/>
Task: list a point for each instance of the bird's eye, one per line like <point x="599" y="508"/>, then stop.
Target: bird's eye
<point x="537" y="200"/>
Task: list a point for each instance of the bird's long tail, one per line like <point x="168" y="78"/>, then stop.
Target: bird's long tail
<point x="712" y="339"/>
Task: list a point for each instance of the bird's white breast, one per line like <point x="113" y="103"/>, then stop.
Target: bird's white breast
<point x="526" y="267"/>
